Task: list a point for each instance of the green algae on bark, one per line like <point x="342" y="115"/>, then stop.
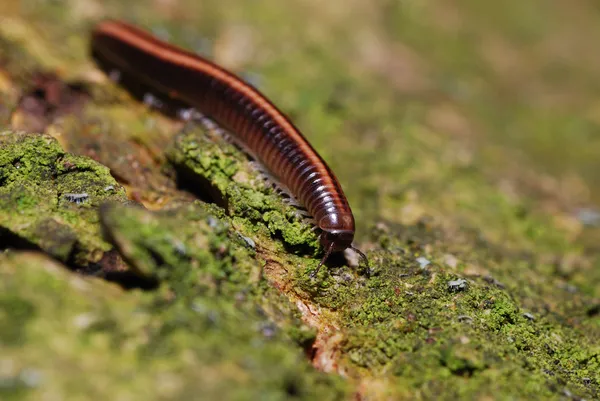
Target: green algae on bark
<point x="195" y="249"/>
<point x="219" y="169"/>
<point x="48" y="198"/>
<point x="181" y="342"/>
<point x="424" y="327"/>
<point x="163" y="243"/>
<point x="413" y="323"/>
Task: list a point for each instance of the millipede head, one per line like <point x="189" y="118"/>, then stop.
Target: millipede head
<point x="337" y="231"/>
<point x="337" y="240"/>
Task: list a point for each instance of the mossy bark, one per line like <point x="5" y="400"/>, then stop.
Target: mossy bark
<point x="474" y="292"/>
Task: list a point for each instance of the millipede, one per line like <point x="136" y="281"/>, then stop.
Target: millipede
<point x="254" y="122"/>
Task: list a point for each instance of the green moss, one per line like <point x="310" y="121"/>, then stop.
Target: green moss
<point x="192" y="344"/>
<point x="56" y="195"/>
<point x="176" y="239"/>
<point x="415" y="323"/>
<point x="227" y="176"/>
<point x="16" y="314"/>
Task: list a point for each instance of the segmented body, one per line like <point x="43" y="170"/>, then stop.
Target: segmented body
<point x="239" y="108"/>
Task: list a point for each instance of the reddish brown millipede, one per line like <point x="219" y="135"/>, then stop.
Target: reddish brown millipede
<point x="243" y="111"/>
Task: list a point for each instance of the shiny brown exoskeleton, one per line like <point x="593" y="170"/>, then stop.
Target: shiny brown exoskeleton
<point x="242" y="110"/>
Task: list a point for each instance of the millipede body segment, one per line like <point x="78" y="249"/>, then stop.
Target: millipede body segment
<point x="253" y="121"/>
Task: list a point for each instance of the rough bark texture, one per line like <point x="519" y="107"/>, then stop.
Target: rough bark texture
<point x="145" y="259"/>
